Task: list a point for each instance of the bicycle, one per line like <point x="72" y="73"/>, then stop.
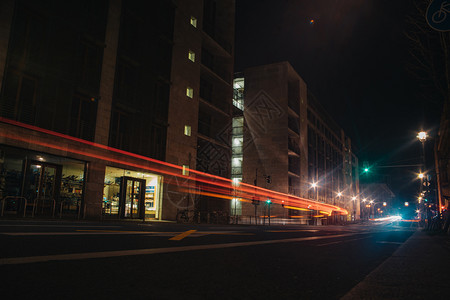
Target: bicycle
<point x="182" y="216"/>
<point x="440" y="15"/>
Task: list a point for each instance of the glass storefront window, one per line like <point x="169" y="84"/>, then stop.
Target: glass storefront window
<point x="130" y="194"/>
<point x="40" y="184"/>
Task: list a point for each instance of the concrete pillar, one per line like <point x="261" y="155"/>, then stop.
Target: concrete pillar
<point x="108" y="72"/>
<point x="6" y="16"/>
<point x="93" y="194"/>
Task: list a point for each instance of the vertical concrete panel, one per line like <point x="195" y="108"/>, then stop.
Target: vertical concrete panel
<point x="93" y="195"/>
<point x="108" y="72"/>
<point x="6" y="16"/>
<point x="303" y="139"/>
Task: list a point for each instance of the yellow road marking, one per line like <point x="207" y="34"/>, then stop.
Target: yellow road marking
<point x="110" y="254"/>
<point x="182" y="235"/>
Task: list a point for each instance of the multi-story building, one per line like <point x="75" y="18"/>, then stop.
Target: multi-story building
<point x="104" y="105"/>
<point x="284" y="141"/>
<point x="332" y="165"/>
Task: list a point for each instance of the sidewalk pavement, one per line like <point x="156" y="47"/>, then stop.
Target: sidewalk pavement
<point x="418" y="269"/>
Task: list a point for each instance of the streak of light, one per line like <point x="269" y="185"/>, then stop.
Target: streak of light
<point x="296" y="208"/>
<point x="221" y="187"/>
<point x="392" y="218"/>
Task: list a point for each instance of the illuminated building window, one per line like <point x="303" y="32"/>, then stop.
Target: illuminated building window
<point x="187" y="130"/>
<point x="185" y="170"/>
<point x="190" y="92"/>
<point x="194" y="22"/>
<point x="238" y="94"/>
<point x="191" y="55"/>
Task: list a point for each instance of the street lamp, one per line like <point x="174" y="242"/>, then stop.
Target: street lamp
<point x="364" y="208"/>
<point x="422" y="136"/>
<point x="315" y="186"/>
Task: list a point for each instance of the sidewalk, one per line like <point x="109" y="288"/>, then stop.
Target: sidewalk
<point x="419" y="269"/>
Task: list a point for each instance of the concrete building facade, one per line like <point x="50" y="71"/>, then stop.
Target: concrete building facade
<point x="103" y="108"/>
<point x="332" y="165"/>
<point x="290" y="145"/>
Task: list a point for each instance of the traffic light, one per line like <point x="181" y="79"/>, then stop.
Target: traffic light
<point x="268" y="201"/>
<point x="268" y="179"/>
<point x="255" y="201"/>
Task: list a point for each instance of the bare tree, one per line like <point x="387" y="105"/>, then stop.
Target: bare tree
<point x="430" y="50"/>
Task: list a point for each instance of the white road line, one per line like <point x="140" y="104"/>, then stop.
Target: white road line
<point x="106" y="254"/>
<point x="344" y="241"/>
<point x="386" y="242"/>
<point x="68" y="233"/>
<point x="56" y="225"/>
<point x="149" y="233"/>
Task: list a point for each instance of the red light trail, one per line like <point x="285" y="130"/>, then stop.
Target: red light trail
<point x="197" y="182"/>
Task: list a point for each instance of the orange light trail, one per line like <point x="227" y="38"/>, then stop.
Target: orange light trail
<point x="198" y="182"/>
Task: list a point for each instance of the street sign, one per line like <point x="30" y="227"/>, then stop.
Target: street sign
<point x="438" y="15"/>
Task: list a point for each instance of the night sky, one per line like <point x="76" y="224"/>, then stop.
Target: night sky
<point x="355" y="59"/>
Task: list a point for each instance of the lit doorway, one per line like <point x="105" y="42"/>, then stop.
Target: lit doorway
<point x="132" y="198"/>
<point x="138" y="197"/>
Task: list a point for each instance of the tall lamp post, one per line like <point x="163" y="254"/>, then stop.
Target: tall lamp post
<point x="338" y="195"/>
<point x="422" y="137"/>
<point x="354" y="208"/>
<point x="314" y="185"/>
<point x="364" y="208"/>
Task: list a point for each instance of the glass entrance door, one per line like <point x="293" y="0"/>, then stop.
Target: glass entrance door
<point x="132" y="198"/>
<point x="42" y="186"/>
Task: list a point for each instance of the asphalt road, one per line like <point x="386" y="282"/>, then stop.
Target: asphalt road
<point x="82" y="260"/>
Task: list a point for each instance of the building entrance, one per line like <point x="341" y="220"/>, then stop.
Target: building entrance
<point x="131" y="194"/>
<point x="41" y="187"/>
<point x="132" y="198"/>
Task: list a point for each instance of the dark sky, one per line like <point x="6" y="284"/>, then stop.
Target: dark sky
<point x="354" y="59"/>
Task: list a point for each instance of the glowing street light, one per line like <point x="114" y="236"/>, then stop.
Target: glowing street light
<point x="354" y="198"/>
<point x="339" y="194"/>
<point x="421" y="175"/>
<point x="422" y="136"/>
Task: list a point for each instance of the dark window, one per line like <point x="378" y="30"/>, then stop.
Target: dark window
<point x="204" y="123"/>
<point x="83" y="116"/>
<point x="120" y="125"/>
<point x="28" y="38"/>
<point x="209" y="17"/>
<point x="207" y="59"/>
<point x="206" y="90"/>
<point x="90" y="66"/>
<point x="126" y="82"/>
<point x="19" y="98"/>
